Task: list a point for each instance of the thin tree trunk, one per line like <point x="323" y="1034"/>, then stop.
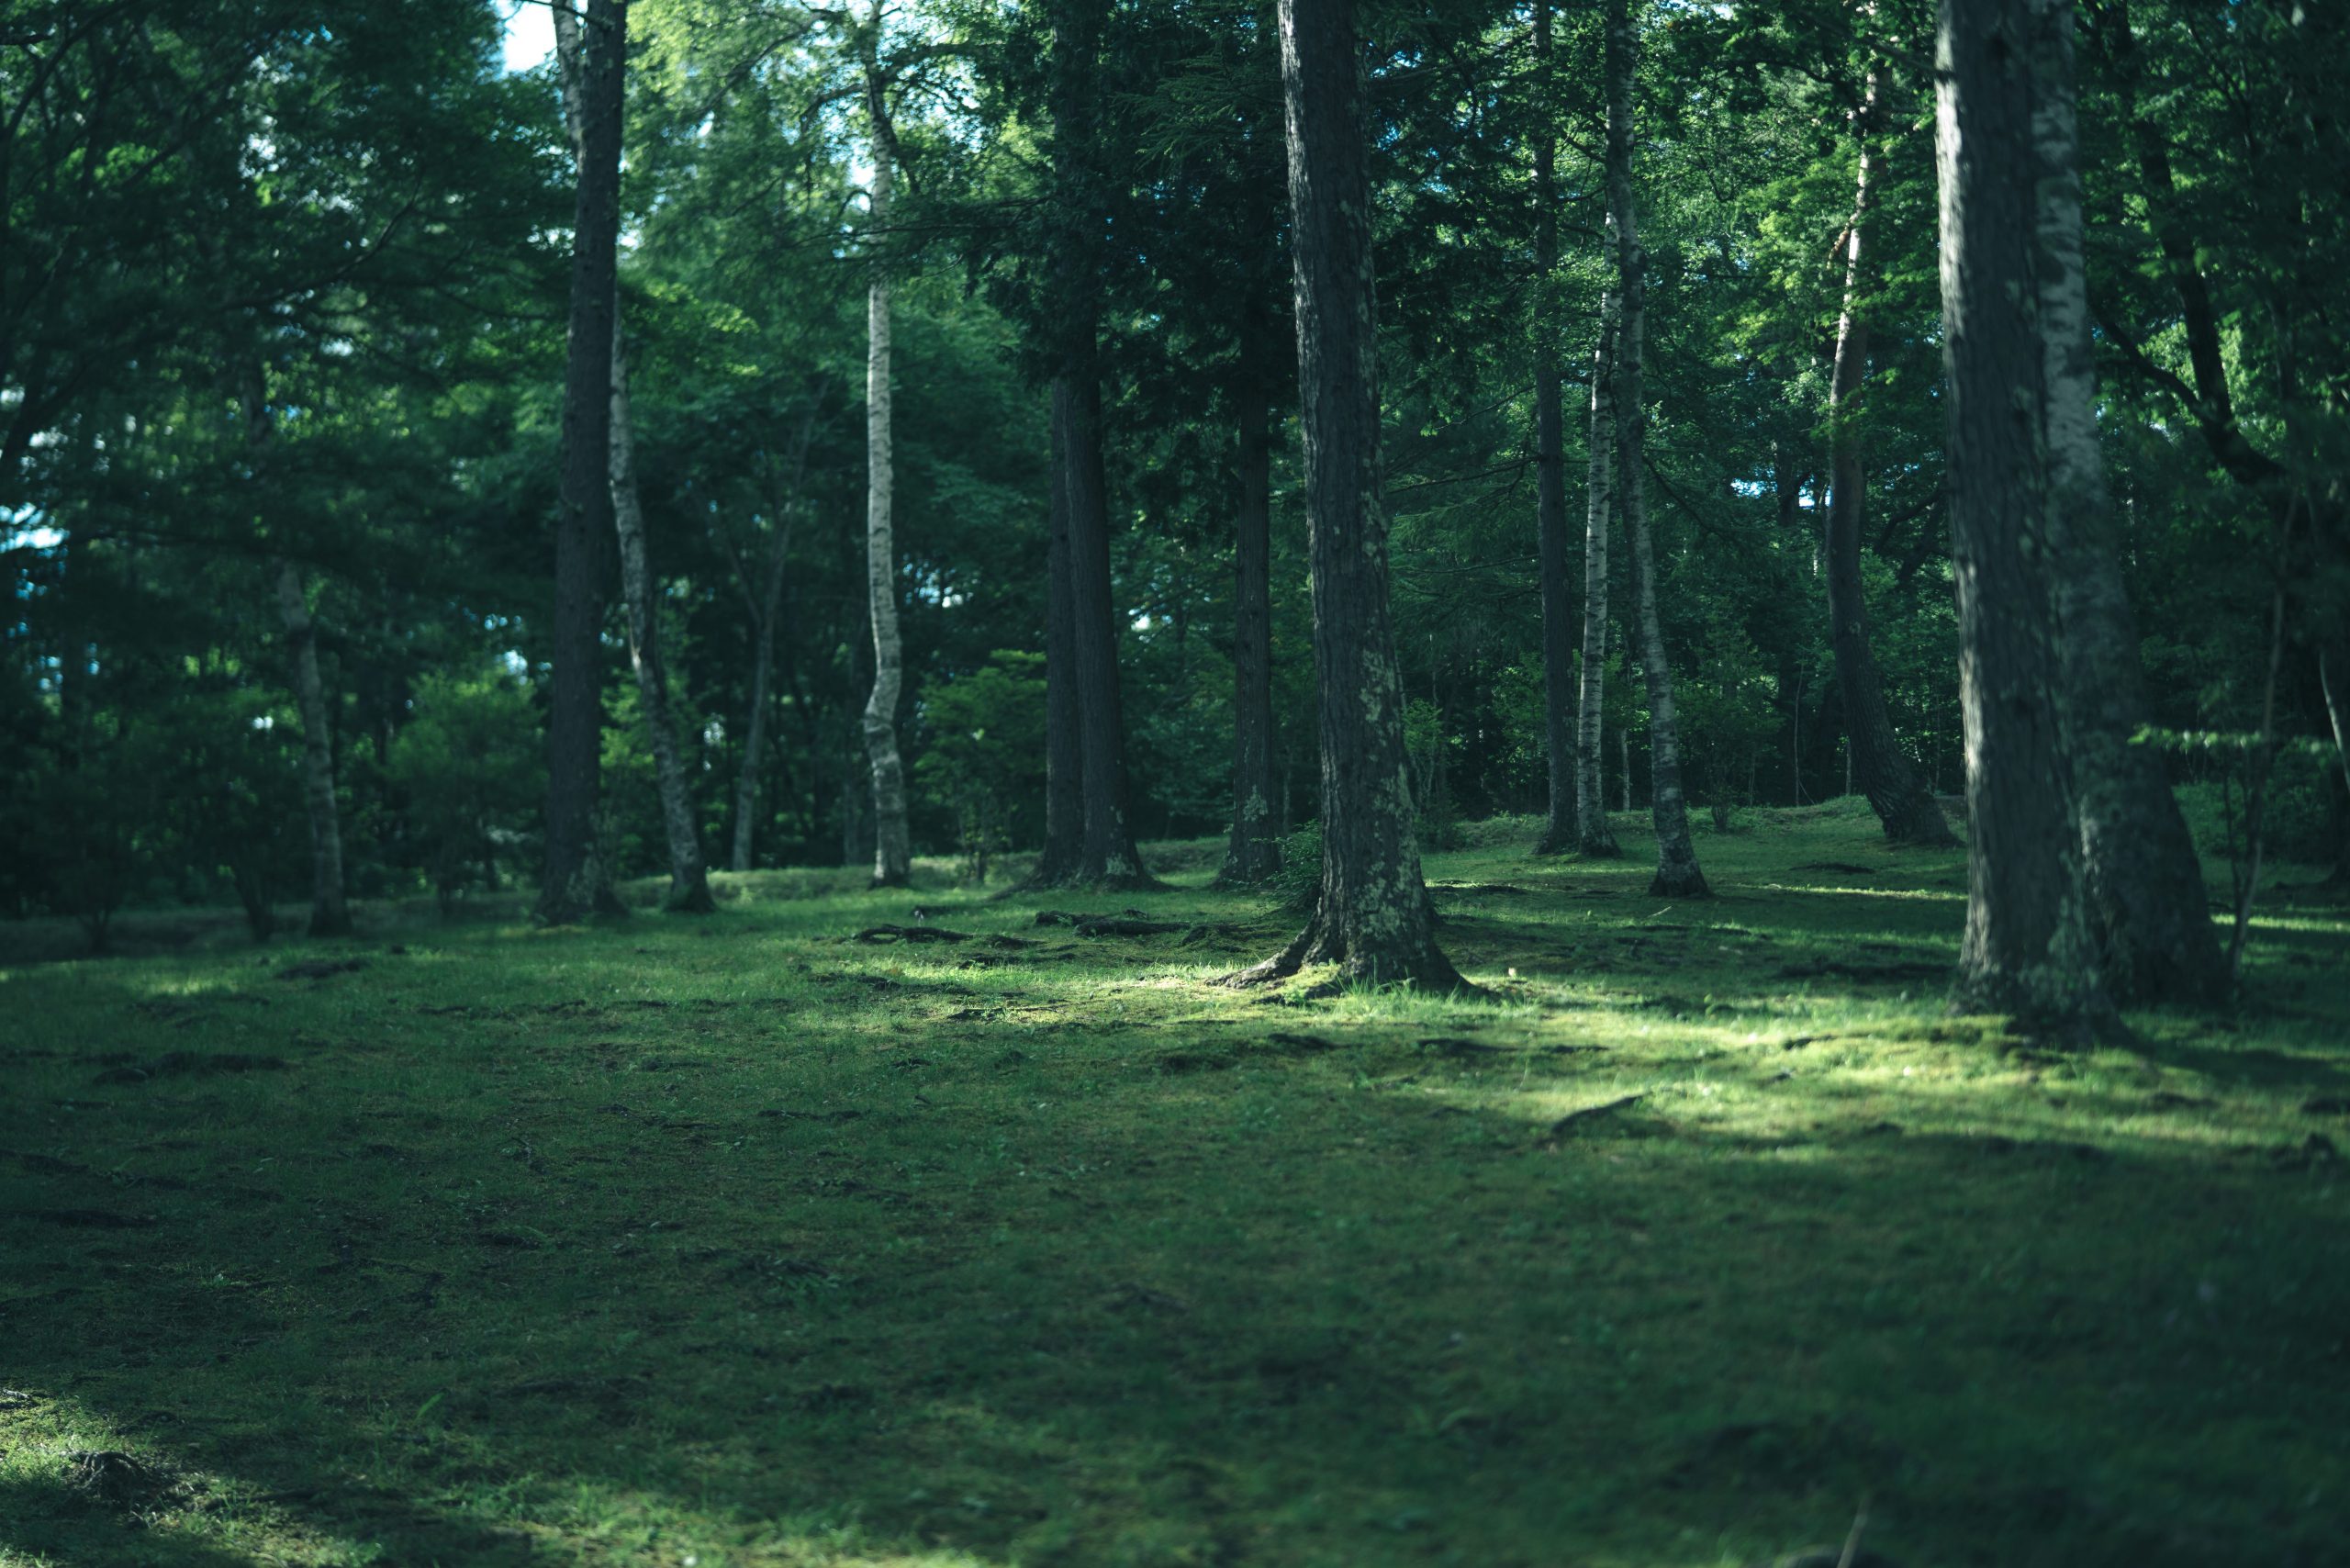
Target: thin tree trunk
<point x="767" y="612"/>
<point x="1373" y="916"/>
<point x="2333" y="680"/>
<point x="1594" y="838"/>
<point x="2027" y="949"/>
<point x="689" y="881"/>
<point x="2259" y="770"/>
<point x="330" y="915"/>
<point x="1677" y="875"/>
<point x="1064" y="761"/>
<point x="574" y="880"/>
<point x="1254" y="852"/>
<point x="688" y="884"/>
<point x="1108" y="858"/>
<point x="1559" y="695"/>
<point x="892" y="847"/>
<point x="1895" y="790"/>
<point x="2147" y="907"/>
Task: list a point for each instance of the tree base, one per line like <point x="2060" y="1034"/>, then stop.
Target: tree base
<point x="1917" y="824"/>
<point x="323" y="923"/>
<point x="1599" y="849"/>
<point x="689" y="896"/>
<point x="1679" y="882"/>
<point x="2060" y="1009"/>
<point x="1415" y="966"/>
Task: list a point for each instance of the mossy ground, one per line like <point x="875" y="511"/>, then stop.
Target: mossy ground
<point x="733" y="1241"/>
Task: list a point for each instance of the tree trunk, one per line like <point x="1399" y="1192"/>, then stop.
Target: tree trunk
<point x="892" y="847"/>
<point x="330" y="915"/>
<point x="769" y="607"/>
<point x="1895" y="790"/>
<point x="688" y="885"/>
<point x="1254" y="850"/>
<point x="1064" y="760"/>
<point x="1594" y="838"/>
<point x="2334" y="681"/>
<point x="1677" y="875"/>
<point x="2147" y="906"/>
<point x="574" y="881"/>
<point x="2026" y="949"/>
<point x="1373" y="915"/>
<point x="1558" y="696"/>
<point x="689" y="881"/>
<point x="1107" y="857"/>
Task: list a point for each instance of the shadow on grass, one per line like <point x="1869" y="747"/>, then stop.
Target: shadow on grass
<point x="1246" y="1331"/>
<point x="519" y="1263"/>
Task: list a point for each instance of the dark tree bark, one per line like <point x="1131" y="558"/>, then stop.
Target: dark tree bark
<point x="688" y="890"/>
<point x="2027" y="949"/>
<point x="574" y="880"/>
<point x="1895" y="790"/>
<point x="330" y="913"/>
<point x="1558" y="631"/>
<point x="1107" y="857"/>
<point x="764" y="603"/>
<point x="1677" y="875"/>
<point x="2147" y="905"/>
<point x="1373" y="917"/>
<point x="1064" y="761"/>
<point x="1254" y="852"/>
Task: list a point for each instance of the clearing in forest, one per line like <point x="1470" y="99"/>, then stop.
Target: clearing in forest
<point x="740" y="1241"/>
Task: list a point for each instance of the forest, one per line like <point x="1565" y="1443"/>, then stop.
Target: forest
<point x="971" y="783"/>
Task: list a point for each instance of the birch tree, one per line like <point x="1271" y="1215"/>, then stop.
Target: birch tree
<point x="1677" y="875"/>
<point x="892" y="849"/>
<point x="1594" y="838"/>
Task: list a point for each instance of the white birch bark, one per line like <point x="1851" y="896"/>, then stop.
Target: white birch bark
<point x="1593" y="835"/>
<point x="892" y="850"/>
<point x="2330" y="681"/>
<point x="1677" y="875"/>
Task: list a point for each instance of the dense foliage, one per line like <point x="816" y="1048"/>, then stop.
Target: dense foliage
<point x="285" y="284"/>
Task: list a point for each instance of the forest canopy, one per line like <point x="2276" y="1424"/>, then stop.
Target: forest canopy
<point x="323" y="591"/>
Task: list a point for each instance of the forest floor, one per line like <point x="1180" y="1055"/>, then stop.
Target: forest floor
<point x="739" y="1241"/>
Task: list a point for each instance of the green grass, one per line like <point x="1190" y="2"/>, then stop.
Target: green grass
<point x="737" y="1242"/>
